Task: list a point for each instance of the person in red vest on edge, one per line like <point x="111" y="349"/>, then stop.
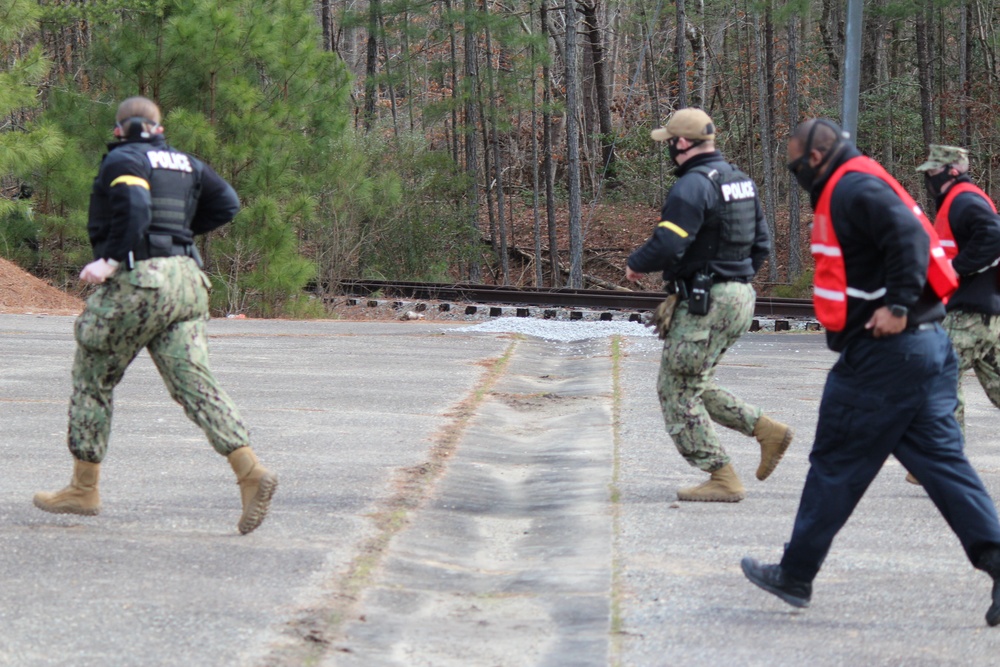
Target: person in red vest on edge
<point x="880" y="280"/>
<point x="969" y="228"/>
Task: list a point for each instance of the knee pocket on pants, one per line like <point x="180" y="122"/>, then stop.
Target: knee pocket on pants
<point x="687" y="354"/>
<point x="847" y="420"/>
<point x="94" y="328"/>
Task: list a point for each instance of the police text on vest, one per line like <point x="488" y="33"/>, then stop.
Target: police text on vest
<point x="738" y="190"/>
<point x="168" y="160"/>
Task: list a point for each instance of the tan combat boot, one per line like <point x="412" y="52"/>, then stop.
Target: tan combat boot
<point x="722" y="487"/>
<point x="80" y="497"/>
<point x="912" y="479"/>
<point x="774" y="438"/>
<point x="257" y="485"/>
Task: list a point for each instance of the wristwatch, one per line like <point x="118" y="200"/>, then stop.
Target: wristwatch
<point x="898" y="311"/>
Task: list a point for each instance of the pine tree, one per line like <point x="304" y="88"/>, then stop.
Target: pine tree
<point x="246" y="87"/>
<point x="25" y="145"/>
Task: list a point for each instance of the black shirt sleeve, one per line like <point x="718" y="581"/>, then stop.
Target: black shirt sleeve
<point x="976" y="229"/>
<point x="218" y="203"/>
<point x="682" y="216"/>
<point x="126" y="181"/>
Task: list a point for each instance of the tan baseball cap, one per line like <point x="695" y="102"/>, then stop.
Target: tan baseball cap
<point x="690" y="123"/>
<point x="942" y="156"/>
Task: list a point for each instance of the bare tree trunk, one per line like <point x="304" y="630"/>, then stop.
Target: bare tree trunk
<point x="471" y="160"/>
<point x="830" y="45"/>
<point x="497" y="161"/>
<point x="767" y="143"/>
<point x="653" y="94"/>
<point x="682" y="96"/>
<point x="746" y="76"/>
<point x="371" y="65"/>
<point x="407" y="68"/>
<point x="767" y="104"/>
<point x="487" y="167"/>
<point x="924" y="77"/>
<point x="601" y="87"/>
<point x="454" y="83"/>
<point x="794" y="240"/>
<point x="964" y="58"/>
<point x="573" y="150"/>
<point x="547" y="167"/>
<point x="327" y="21"/>
<point x="986" y="44"/>
<point x="938" y="54"/>
<point x="388" y="77"/>
<point x="696" y="35"/>
<point x="535" y="212"/>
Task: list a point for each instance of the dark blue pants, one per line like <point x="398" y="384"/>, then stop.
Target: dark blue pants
<point x="894" y="395"/>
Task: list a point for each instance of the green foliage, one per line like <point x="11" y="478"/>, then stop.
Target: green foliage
<point x="645" y="171"/>
<point x="801" y="288"/>
<point x="19" y="234"/>
<point x="26" y="146"/>
<point x="18" y="17"/>
<point x="245" y="87"/>
<point x="424" y="232"/>
<point x="265" y="271"/>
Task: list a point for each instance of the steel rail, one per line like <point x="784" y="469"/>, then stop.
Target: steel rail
<point x="558" y="297"/>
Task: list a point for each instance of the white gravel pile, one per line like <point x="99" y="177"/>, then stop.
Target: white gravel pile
<point x="561" y="331"/>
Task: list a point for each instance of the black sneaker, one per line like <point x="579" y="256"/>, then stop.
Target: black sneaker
<point x="796" y="593"/>
<point x="989" y="562"/>
<point x="993" y="613"/>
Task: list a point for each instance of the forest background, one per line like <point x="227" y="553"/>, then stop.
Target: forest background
<point x="495" y="141"/>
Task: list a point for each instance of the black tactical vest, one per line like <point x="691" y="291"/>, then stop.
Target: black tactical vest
<point x="174" y="183"/>
<point x="728" y="231"/>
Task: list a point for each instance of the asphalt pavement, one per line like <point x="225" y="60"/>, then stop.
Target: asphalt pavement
<point x="450" y="497"/>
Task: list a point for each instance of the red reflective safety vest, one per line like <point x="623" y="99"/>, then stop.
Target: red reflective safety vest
<point x="942" y="225"/>
<point x="830" y="288"/>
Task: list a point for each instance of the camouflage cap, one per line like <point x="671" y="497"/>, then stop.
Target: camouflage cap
<point x="942" y="156"/>
<point x="688" y="123"/>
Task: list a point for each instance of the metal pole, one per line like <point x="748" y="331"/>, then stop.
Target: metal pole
<point x="852" y="68"/>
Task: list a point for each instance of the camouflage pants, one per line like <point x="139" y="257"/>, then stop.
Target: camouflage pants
<point x="977" y="344"/>
<point x="161" y="305"/>
<point x="689" y="397"/>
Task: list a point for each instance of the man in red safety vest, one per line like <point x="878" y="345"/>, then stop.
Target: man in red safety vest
<point x="969" y="228"/>
<point x="881" y="278"/>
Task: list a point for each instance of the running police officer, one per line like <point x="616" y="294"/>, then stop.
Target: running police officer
<point x="711" y="240"/>
<point x="147" y="203"/>
<point x="879" y="283"/>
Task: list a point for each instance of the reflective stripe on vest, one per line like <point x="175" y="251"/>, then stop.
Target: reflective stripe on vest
<point x="942" y="224"/>
<point x="830" y="289"/>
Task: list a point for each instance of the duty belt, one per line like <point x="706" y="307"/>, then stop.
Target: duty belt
<point x="715" y="280"/>
<point x="175" y="250"/>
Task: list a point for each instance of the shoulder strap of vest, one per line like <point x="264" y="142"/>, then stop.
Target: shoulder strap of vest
<point x="709" y="173"/>
<point x="962" y="187"/>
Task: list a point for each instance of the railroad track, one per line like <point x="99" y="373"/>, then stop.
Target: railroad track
<point x="556" y="297"/>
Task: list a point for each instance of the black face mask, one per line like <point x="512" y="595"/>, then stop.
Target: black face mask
<point x="936" y="182"/>
<point x="675" y="152"/>
<point x="805" y="173"/>
<point x="135" y="128"/>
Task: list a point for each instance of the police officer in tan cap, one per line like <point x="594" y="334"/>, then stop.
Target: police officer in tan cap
<point x="969" y="228"/>
<point x="709" y="243"/>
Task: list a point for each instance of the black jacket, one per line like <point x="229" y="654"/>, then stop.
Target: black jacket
<point x="689" y="202"/>
<point x="883" y="245"/>
<point x="120" y="215"/>
<point x="976" y="229"/>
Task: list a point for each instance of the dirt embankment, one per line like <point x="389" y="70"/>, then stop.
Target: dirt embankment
<point x="21" y="292"/>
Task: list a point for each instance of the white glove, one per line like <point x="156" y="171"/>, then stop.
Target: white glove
<point x="98" y="271"/>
